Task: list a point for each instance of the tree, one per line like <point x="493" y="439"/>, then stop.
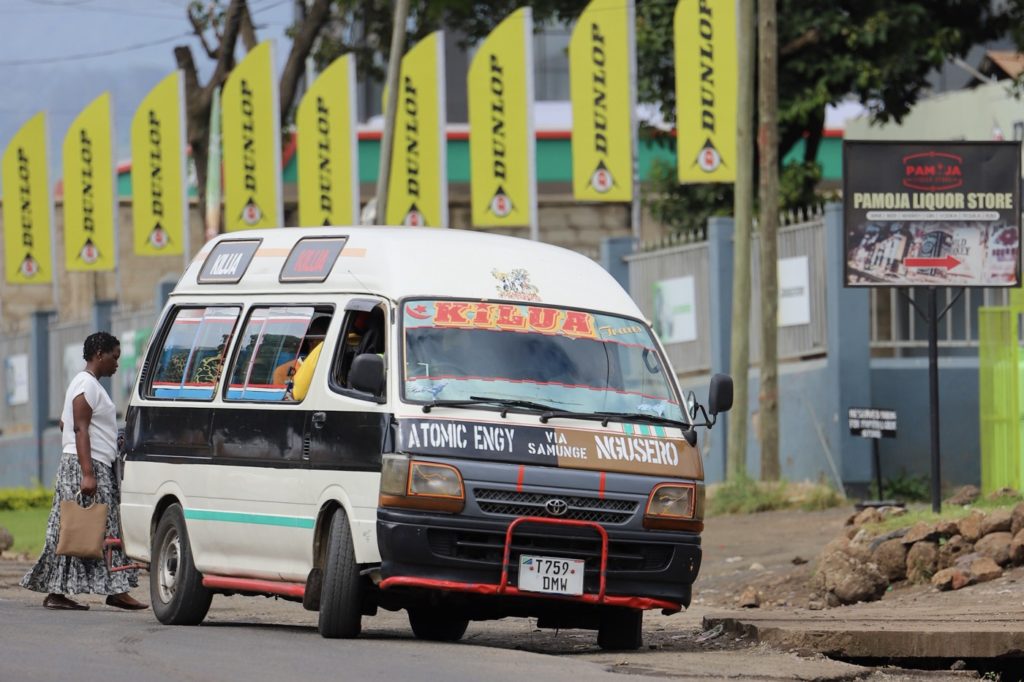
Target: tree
<point x="328" y="29"/>
<point x="218" y="30"/>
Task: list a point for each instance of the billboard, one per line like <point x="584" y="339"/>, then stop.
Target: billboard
<point x="931" y="213"/>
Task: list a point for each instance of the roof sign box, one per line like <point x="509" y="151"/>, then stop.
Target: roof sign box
<point x="311" y="259"/>
<point x="228" y="261"/>
<point x="932" y="213"/>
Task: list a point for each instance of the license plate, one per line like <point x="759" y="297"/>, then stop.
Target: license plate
<point x="550" y="574"/>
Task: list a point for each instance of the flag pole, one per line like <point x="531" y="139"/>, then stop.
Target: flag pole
<point x="634" y="207"/>
<point x="390" y="111"/>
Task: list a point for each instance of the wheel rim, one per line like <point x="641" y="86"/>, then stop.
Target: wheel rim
<point x="167" y="576"/>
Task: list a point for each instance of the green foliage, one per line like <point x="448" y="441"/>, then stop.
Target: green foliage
<point x="916" y="513"/>
<point x="821" y="497"/>
<point x="25" y="498"/>
<point x="28" y="527"/>
<point x="685" y="208"/>
<point x="905" y="488"/>
<point x="746" y="496"/>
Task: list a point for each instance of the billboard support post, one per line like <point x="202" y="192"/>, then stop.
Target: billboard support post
<point x="933" y="395"/>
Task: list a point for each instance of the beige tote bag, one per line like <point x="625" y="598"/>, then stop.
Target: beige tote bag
<point x="82" y="529"/>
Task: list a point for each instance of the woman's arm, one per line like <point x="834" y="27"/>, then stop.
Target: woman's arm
<point x="82" y="412"/>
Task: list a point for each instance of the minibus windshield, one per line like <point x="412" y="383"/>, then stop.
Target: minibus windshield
<point x="566" y="359"/>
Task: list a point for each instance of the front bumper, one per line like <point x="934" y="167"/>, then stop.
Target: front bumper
<point x="459" y="553"/>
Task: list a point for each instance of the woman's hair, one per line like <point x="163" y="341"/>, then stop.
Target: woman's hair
<point x="100" y="342"/>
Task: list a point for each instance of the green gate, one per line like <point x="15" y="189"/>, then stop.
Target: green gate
<point x="1001" y="394"/>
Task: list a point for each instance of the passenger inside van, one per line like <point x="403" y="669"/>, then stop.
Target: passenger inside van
<point x="298" y="373"/>
<point x="365" y="335"/>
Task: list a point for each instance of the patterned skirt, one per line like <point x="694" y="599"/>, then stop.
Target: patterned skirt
<point x="71" y="575"/>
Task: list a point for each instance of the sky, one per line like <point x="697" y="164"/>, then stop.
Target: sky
<point x="59" y="55"/>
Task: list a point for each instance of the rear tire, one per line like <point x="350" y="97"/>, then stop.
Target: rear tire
<point x="435" y="626"/>
<point x="621" y="629"/>
<point x="340" y="609"/>
<point x="175" y="586"/>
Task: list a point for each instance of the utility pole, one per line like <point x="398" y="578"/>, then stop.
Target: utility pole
<point x="743" y="210"/>
<point x="391" y="110"/>
<point x="768" y="147"/>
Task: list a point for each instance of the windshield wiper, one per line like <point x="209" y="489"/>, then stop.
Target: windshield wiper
<point x="605" y="417"/>
<point x="480" y="400"/>
<point x="653" y="418"/>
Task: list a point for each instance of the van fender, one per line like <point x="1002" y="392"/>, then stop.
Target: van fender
<point x="362" y="523"/>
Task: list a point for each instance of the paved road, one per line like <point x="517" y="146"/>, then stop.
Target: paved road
<point x="103" y="644"/>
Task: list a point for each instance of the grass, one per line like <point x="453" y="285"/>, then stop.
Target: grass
<point x="746" y="496"/>
<point x="916" y="513"/>
<point x="28" y="526"/>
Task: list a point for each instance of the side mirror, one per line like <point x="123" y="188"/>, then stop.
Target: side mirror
<point x="367" y="374"/>
<point x="720" y="394"/>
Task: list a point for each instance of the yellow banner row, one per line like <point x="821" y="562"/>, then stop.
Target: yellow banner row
<point x="502" y="148"/>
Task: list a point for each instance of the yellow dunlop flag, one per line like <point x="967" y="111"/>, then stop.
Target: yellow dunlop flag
<point x="418" y="187"/>
<point x="89" y="211"/>
<point x="28" y="210"/>
<point x="706" y="78"/>
<point x="328" y="153"/>
<point x="252" y="144"/>
<point x="501" y="142"/>
<point x="601" y="90"/>
<point x="159" y="190"/>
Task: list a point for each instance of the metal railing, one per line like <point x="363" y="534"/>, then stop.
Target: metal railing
<point x="648" y="268"/>
<point x="805" y="238"/>
<point x="897" y="328"/>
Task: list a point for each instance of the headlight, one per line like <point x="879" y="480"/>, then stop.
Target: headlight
<point x="675" y="506"/>
<point x="434" y="480"/>
<point x="414" y="484"/>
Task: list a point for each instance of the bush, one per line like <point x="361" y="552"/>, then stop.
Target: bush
<point x="905" y="488"/>
<point x="746" y="496"/>
<point x="13" y="499"/>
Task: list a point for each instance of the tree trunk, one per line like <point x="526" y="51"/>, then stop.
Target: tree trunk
<point x="743" y="200"/>
<point x="768" y="141"/>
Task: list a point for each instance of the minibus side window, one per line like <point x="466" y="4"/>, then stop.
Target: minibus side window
<point x="272" y="347"/>
<point x="189" y="364"/>
<point x="363" y="332"/>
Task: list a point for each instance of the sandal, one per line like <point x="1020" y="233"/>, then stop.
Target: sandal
<point x="58" y="602"/>
<point x="125" y="601"/>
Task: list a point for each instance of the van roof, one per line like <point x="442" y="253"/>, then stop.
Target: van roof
<point x="397" y="262"/>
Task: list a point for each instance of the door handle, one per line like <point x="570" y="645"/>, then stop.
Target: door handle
<point x="319" y="419"/>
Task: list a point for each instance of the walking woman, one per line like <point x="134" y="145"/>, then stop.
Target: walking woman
<point x="89" y="439"/>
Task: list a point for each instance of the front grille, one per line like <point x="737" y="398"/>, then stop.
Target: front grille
<point x="513" y="503"/>
<point x="489" y="547"/>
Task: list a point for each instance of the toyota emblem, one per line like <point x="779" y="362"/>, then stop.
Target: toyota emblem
<point x="556" y="506"/>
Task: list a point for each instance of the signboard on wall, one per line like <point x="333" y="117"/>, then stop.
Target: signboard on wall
<point x="675" y="311"/>
<point x="16" y="373"/>
<point x="794" y="292"/>
<point x="932" y="213"/>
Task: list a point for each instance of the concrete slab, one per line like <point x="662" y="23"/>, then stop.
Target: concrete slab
<point x="980" y="621"/>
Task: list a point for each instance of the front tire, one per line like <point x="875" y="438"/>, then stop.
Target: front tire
<point x="431" y="625"/>
<point x="621" y="629"/>
<point x="175" y="586"/>
<point x="340" y="609"/>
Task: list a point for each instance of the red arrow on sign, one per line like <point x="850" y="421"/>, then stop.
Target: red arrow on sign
<point x="948" y="262"/>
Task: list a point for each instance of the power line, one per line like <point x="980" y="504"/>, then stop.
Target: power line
<point x="90" y="55"/>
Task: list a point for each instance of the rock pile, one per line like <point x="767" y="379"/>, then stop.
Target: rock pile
<point x="860" y="566"/>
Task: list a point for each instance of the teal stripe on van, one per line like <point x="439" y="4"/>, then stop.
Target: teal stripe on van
<point x="239" y="517"/>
